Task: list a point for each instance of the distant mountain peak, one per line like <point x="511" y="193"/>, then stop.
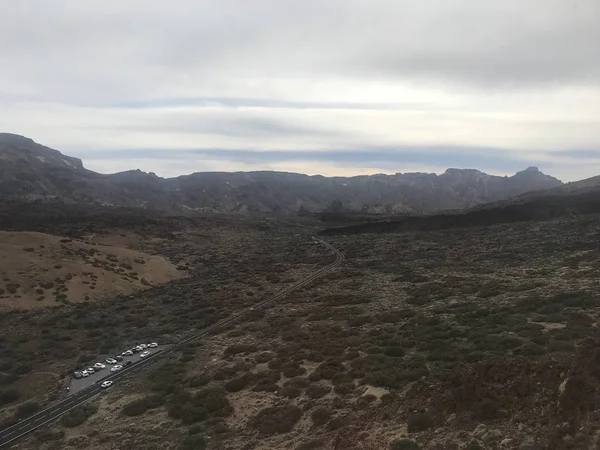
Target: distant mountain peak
<point x="30" y="171"/>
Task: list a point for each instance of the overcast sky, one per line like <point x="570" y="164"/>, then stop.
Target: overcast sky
<point x="337" y="87"/>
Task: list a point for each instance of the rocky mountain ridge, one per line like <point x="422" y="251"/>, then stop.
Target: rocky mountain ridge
<point x="30" y="171"/>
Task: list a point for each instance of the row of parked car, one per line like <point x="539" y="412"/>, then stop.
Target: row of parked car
<point x="115" y="360"/>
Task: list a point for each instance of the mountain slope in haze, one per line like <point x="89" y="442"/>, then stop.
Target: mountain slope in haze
<point x="30" y="171"/>
<point x="568" y="200"/>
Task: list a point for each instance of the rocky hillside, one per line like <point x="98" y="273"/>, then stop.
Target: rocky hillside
<point x="30" y="171"/>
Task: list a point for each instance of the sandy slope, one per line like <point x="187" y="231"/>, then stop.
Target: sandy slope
<point x="38" y="269"/>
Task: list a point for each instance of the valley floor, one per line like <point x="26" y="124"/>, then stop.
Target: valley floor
<point x="480" y="337"/>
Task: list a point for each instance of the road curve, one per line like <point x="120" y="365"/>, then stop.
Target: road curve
<point x="55" y="411"/>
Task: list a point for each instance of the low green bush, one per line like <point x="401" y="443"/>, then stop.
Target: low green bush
<point x="404" y="444"/>
<point x="419" y="422"/>
<point x="321" y="416"/>
<point x="317" y="391"/>
<point x="139" y="407"/>
<point x="276" y="419"/>
<point x="193" y="443"/>
<point x="27" y="409"/>
<point x="8" y="396"/>
<point x="78" y="415"/>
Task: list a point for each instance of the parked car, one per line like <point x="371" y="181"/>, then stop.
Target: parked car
<point x="135" y="350"/>
<point x="99" y="366"/>
<point x="111" y="361"/>
<point x="143" y="346"/>
<point x="85" y="374"/>
<point x="127" y="353"/>
<point x="118" y="358"/>
<point x="77" y="375"/>
<point x="144" y="354"/>
<point x="127" y="363"/>
<point x="139" y="348"/>
<point x="106" y="384"/>
<point x="90" y="370"/>
<point x="153" y="345"/>
<point x="116" y="368"/>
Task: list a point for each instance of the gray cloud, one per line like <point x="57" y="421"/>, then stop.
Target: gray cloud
<point x="519" y="75"/>
<point x="118" y="50"/>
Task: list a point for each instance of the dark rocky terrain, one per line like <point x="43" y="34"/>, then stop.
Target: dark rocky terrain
<point x="478" y="337"/>
<point x="29" y="171"/>
<point x="569" y="200"/>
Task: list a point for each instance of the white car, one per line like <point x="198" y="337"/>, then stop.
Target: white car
<point x="99" y="366"/>
<point x="139" y="348"/>
<point x="144" y="354"/>
<point x="116" y="368"/>
<point x="127" y="353"/>
<point x="85" y="373"/>
<point x="153" y="345"/>
<point x="106" y="384"/>
<point x="111" y="361"/>
<point x="143" y="346"/>
<point x="90" y="370"/>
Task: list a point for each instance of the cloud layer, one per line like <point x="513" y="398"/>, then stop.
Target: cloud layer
<point x="319" y="86"/>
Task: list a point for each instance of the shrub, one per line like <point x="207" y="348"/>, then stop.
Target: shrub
<point x="313" y="444"/>
<point x="337" y="423"/>
<point x="276" y="419"/>
<point x="237" y="384"/>
<point x="78" y="415"/>
<point x="193" y="430"/>
<point x="265" y="385"/>
<point x="139" y="407"/>
<point x="27" y="409"/>
<point x="321" y="415"/>
<point x="290" y="392"/>
<point x="419" y="422"/>
<point x="291" y="371"/>
<point x="317" y="391"/>
<point x="193" y="443"/>
<point x="188" y="413"/>
<point x="298" y="382"/>
<point x="394" y="351"/>
<point x="240" y="348"/>
<point x="12" y="288"/>
<point x="486" y="409"/>
<point x="343" y="389"/>
<point x="329" y="369"/>
<point x="404" y="444"/>
<point x="199" y="380"/>
<point x="46" y="435"/>
<point x="8" y="396"/>
<point x="206" y="403"/>
<point x="263" y="357"/>
<point x="186" y="358"/>
<point x="8" y="378"/>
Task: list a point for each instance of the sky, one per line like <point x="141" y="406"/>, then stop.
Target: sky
<point x="332" y="87"/>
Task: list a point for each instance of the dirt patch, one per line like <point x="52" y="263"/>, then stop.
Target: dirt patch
<point x="548" y="326"/>
<point x="376" y="391"/>
<point x="44" y="270"/>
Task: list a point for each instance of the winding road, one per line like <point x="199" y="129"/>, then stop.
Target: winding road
<point x="55" y="411"/>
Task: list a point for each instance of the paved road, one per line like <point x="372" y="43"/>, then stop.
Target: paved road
<point x="52" y="413"/>
<point x="83" y="383"/>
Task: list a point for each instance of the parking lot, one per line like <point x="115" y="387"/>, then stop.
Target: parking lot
<point x="82" y="383"/>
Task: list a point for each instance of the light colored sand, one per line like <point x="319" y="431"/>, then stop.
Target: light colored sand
<point x="38" y="270"/>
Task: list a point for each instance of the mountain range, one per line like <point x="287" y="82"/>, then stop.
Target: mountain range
<point x="30" y="171"/>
